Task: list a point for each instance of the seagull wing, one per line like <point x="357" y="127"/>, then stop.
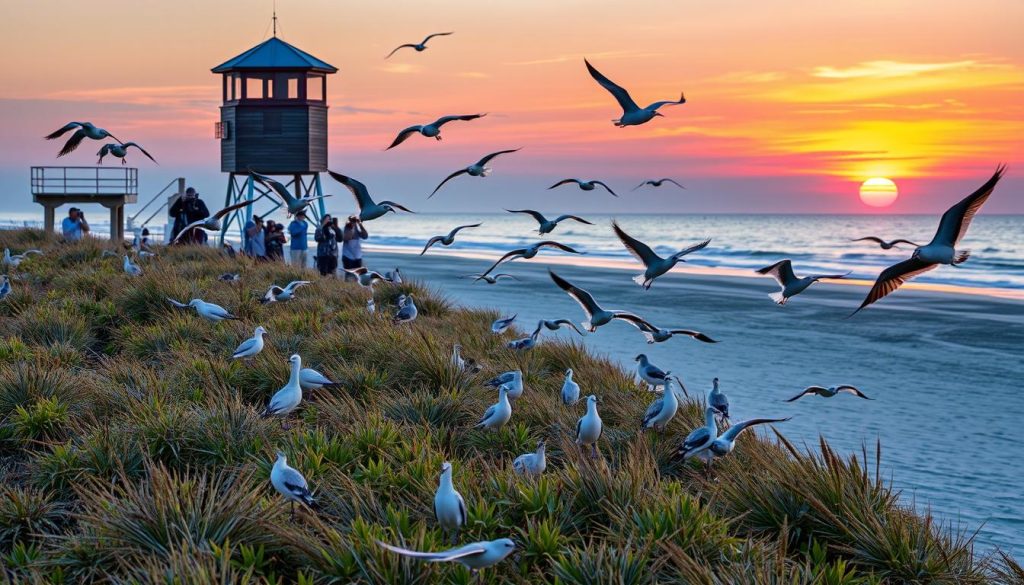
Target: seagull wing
<point x="652" y="411"/>
<point x="553" y="244"/>
<point x="448" y="555"/>
<point x="296" y="284"/>
<point x="142" y="150"/>
<point x="902" y="241"/>
<point x="781" y="271"/>
<point x="870" y="239"/>
<point x="357" y="188"/>
<point x="276" y="187"/>
<point x="806" y="391"/>
<point x="508" y="256"/>
<point x="72" y="143"/>
<point x="585" y="299"/>
<point x="654" y="107"/>
<point x="693" y="248"/>
<point x="636" y="321"/>
<point x="735" y="430"/>
<point x="185" y="231"/>
<point x="63" y="130"/>
<point x="178" y="304"/>
<point x="220" y="214"/>
<point x="294" y="481"/>
<point x="395" y="50"/>
<point x="674" y="182"/>
<point x="607" y="188"/>
<point x="852" y="390"/>
<point x="957" y="219"/>
<point x="244" y="346"/>
<point x="638" y="249"/>
<point x="452" y="233"/>
<point x="404" y="135"/>
<point x="621" y="95"/>
<point x="430" y="243"/>
<point x="566" y="216"/>
<point x="397" y="205"/>
<point x="444" y="34"/>
<point x="446" y="179"/>
<point x="563" y="182"/>
<point x="534" y="214"/>
<point x="464" y="118"/>
<point x="694" y="334"/>
<point x="569" y="323"/>
<point x="893" y="277"/>
<point x="491" y="156"/>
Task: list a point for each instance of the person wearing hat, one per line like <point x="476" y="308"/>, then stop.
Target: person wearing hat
<point x="74" y="226"/>
<point x="255" y="244"/>
<point x="298" y="230"/>
<point x="187" y="209"/>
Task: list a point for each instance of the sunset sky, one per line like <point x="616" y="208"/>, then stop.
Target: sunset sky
<point x="791" y="105"/>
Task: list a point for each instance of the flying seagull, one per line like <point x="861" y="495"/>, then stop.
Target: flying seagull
<point x="290" y="483"/>
<point x="658" y="183"/>
<point x="941" y="250"/>
<point x="589" y="427"/>
<point x="489" y="279"/>
<point x="654" y="265"/>
<point x="366" y="277"/>
<point x="782" y="272"/>
<point x="84" y="130"/>
<point x="121" y="151"/>
<point x="368" y="210"/>
<point x="211" y="312"/>
<point x="477" y="169"/>
<point x="556" y="324"/>
<point x="449" y="239"/>
<point x="830" y="392"/>
<point x="420" y="47"/>
<point x="212" y="223"/>
<point x="532" y="464"/>
<point x="13" y="260"/>
<point x="528" y="253"/>
<point x="546" y="225"/>
<point x="500" y="325"/>
<point x="726" y="442"/>
<point x="292" y="203"/>
<point x="449" y="507"/>
<point x="596" y="315"/>
<point x="655" y="334"/>
<point x="524" y="343"/>
<point x="252" y="346"/>
<point x="474" y="556"/>
<point x="431" y="130"/>
<point x="884" y="244"/>
<point x="632" y="114"/>
<point x="276" y="293"/>
<point x="584" y="185"/>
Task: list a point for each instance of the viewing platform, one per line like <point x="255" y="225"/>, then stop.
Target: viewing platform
<point x="111" y="187"/>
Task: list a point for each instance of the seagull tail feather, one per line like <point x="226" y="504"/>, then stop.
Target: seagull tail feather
<point x="961" y="257"/>
<point x="778" y="298"/>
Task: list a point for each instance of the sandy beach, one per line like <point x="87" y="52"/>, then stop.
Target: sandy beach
<point x="947" y="427"/>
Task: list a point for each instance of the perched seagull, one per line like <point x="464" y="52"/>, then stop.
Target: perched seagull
<point x="400" y="301"/>
<point x="584" y="185"/>
<point x="655" y="265"/>
<point x="462" y="363"/>
<point x="84" y="130"/>
<point x="524" y="343"/>
<point x="252" y="346"/>
<point x="408" y="312"/>
<point x="500" y="325"/>
<point x="726" y="442"/>
<point x="371" y="307"/>
<point x="570" y="389"/>
<point x="528" y="253"/>
<point x="394" y="276"/>
<point x="5" y="288"/>
<point x="632" y="114"/>
<point x="719" y="401"/>
<point x="449" y="239"/>
<point x="502" y="379"/>
<point x="289" y="396"/>
<point x="654" y="334"/>
<point x="941" y="250"/>
<point x="13" y="260"/>
<point x="829" y="392"/>
<point x="532" y="464"/>
<point x="699" y="440"/>
<point x="449" y="507"/>
<point x="649" y="372"/>
<point x="556" y="324"/>
<point x="420" y="47"/>
<point x="884" y="244"/>
<point x="368" y="210"/>
<point x="212" y="223"/>
<point x="120" y="151"/>
<point x="131" y="268"/>
<point x="366" y="277"/>
<point x="310" y="379"/>
<point x="209" y="311"/>
<point x="290" y="483"/>
<point x="489" y="279"/>
<point x="658" y="183"/>
<point x="292" y="203"/>
<point x="431" y="130"/>
<point x="782" y="272"/>
<point x="514" y="386"/>
<point x="546" y="225"/>
<point x="276" y="293"/>
<point x="497" y="414"/>
<point x="589" y="427"/>
<point x="596" y="316"/>
<point x="661" y="410"/>
<point x="475" y="556"/>
<point x="477" y="169"/>
<point x="230" y="277"/>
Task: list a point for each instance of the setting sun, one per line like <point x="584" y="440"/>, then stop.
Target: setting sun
<point x="878" y="192"/>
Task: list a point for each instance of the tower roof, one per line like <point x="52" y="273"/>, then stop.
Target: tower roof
<point x="274" y="53"/>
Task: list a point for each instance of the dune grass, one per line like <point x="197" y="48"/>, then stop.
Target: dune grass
<point x="131" y="450"/>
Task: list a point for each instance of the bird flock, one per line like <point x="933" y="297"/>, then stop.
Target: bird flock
<point x="716" y="439"/>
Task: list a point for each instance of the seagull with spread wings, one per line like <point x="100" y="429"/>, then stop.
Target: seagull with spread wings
<point x="431" y="130"/>
<point x="884" y="244"/>
<point x="792" y="285"/>
<point x="120" y="151"/>
<point x="477" y="169"/>
<point x="547" y="225"/>
<point x="368" y="210"/>
<point x="292" y="203"/>
<point x="420" y="46"/>
<point x="830" y="392"/>
<point x="632" y="114"/>
<point x="584" y="185"/>
<point x="655" y="265"/>
<point x="943" y="247"/>
<point x="658" y="183"/>
<point x="528" y="253"/>
<point x="596" y="315"/>
<point x="474" y="556"/>
<point x="82" y="130"/>
<point x="449" y="239"/>
<point x="489" y="279"/>
<point x="655" y="334"/>
<point x="212" y="223"/>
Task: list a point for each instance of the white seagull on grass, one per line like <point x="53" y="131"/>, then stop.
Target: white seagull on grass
<point x="589" y="427"/>
<point x="661" y="410"/>
<point x="310" y="379"/>
<point x="719" y="401"/>
<point x="408" y="312"/>
<point x="13" y="260"/>
<point x="131" y="268"/>
<point x="532" y="464"/>
<point x="276" y="293"/>
<point x="497" y="414"/>
<point x="475" y="556"/>
<point x="252" y="346"/>
<point x="449" y="507"/>
<point x="211" y="312"/>
<point x="290" y="483"/>
<point x="500" y="325"/>
<point x="289" y="396"/>
<point x="570" y="389"/>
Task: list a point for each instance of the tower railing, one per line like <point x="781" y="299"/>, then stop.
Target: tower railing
<point x="85" y="182"/>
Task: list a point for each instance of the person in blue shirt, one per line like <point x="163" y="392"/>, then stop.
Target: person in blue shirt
<point x="297" y="229"/>
<point x="254" y="243"/>
<point x="74" y="225"/>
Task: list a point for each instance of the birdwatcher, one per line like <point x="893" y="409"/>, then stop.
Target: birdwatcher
<point x="298" y="230"/>
<point x="74" y="226"/>
<point x="327" y="236"/>
<point x="187" y="209"/>
<point x="352" y="247"/>
<point x="254" y="243"/>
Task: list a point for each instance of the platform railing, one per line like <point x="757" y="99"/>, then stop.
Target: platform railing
<point x="99" y="181"/>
